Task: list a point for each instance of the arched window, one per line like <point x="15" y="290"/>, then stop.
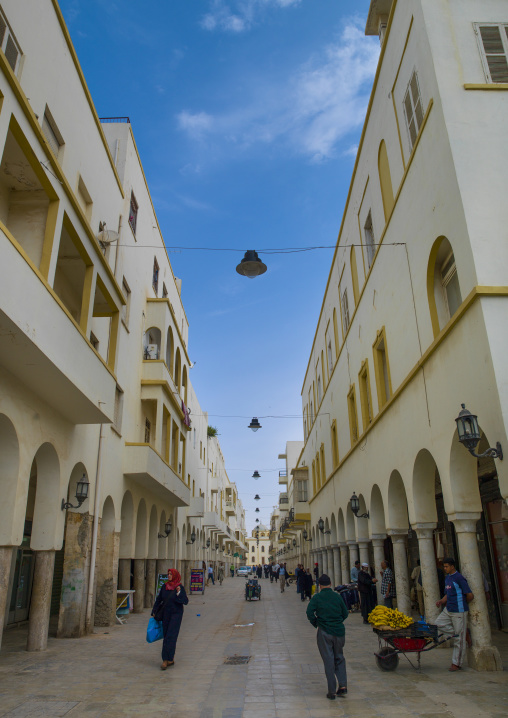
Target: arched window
<point x="170" y="351"/>
<point x="262" y="549"/>
<point x="152" y="343"/>
<point x="443" y="287"/>
<point x="253" y="549"/>
<point x="178" y="370"/>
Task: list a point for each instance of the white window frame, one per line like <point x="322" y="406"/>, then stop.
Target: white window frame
<point x="447" y="278"/>
<point x="413" y="108"/>
<point x="504" y="39"/>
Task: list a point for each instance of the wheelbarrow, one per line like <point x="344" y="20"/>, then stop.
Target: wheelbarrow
<point x="252" y="589"/>
<point x="417" y="638"/>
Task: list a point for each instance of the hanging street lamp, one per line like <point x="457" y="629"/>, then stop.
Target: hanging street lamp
<point x="470" y="434"/>
<point x="167" y="528"/>
<point x="254" y="424"/>
<point x="251" y="266"/>
<point x="257" y="511"/>
<point x="355" y="507"/>
<point x="82" y="487"/>
<point x="256" y="475"/>
<point x="321" y="526"/>
<point x="257" y="497"/>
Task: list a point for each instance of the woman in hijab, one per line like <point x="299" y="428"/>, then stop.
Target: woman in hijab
<point x="168" y="608"/>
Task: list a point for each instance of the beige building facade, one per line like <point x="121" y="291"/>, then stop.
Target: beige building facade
<point x="95" y="374"/>
<point x="412" y="323"/>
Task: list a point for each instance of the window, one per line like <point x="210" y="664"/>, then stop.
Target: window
<point x="126" y="308"/>
<point x="148" y="430"/>
<point x="365" y="395"/>
<point x="370" y="242"/>
<point x="302" y="492"/>
<point x="322" y="463"/>
<point x="94" y="341"/>
<point x="133" y="213"/>
<point x="345" y="311"/>
<point x="318" y="472"/>
<point x="9" y="44"/>
<point x="164" y="291"/>
<point x="353" y="417"/>
<point x="413" y="109"/>
<point x="335" y="444"/>
<point x="319" y="390"/>
<point x="493" y="42"/>
<point x="51" y="132"/>
<point x="86" y="203"/>
<point x="155" y="276"/>
<point x="117" y="420"/>
<point x="450" y="284"/>
<point x="262" y="549"/>
<point x="382" y="369"/>
<point x="253" y="548"/>
<point x="200" y="449"/>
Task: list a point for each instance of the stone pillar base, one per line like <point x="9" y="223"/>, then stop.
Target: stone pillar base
<point x="484" y="658"/>
<point x="40" y="603"/>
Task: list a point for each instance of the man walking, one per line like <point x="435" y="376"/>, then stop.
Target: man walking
<point x="365" y="582"/>
<point x="387" y="584"/>
<point x="282" y="577"/>
<point x="307" y="583"/>
<point x="210" y="575"/>
<point x="327" y="612"/>
<point x="453" y="618"/>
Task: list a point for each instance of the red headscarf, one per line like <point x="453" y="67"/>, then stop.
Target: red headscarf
<point x="174" y="579"/>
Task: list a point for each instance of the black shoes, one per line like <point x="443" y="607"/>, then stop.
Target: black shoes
<point x="341" y="691"/>
<point x="331" y="696"/>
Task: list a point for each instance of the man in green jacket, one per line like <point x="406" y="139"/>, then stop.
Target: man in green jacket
<point x="327" y="612"/>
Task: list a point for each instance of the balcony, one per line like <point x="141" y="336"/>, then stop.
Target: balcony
<point x="155" y="381"/>
<point x="283" y="502"/>
<point x="283" y="476"/>
<point x="230" y="507"/>
<point x="196" y="507"/>
<point x="44" y="349"/>
<point x="145" y="466"/>
<point x="212" y="520"/>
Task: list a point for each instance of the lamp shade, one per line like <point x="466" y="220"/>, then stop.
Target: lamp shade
<point x="256" y="475"/>
<point x="82" y="489"/>
<point x="355" y="503"/>
<point x="257" y="497"/>
<point x="168" y="527"/>
<point x="467" y="428"/>
<point x="321" y="524"/>
<point x="257" y="511"/>
<point x="251" y="266"/>
<point x="254" y="424"/>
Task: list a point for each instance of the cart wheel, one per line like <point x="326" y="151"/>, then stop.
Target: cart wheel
<point x="387" y="659"/>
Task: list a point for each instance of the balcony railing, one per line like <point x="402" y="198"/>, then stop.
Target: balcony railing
<point x="107" y="120"/>
<point x="283" y="500"/>
<point x="283" y="472"/>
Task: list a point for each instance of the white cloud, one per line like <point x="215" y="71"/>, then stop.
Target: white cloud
<point x="310" y="112"/>
<point x="237" y="16"/>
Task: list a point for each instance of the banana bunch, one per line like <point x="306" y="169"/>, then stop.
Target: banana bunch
<point x="391" y="617"/>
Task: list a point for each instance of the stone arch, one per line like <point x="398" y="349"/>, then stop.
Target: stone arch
<point x="152" y="343"/>
<point x="341" y="529"/>
<point x="48" y="518"/>
<point x="333" y="529"/>
<point x="464" y="489"/>
<point x="152" y="533"/>
<point x="9" y="473"/>
<point x="127" y="527"/>
<point x="424" y="479"/>
<point x="170" y="351"/>
<point x="140" y="549"/>
<point x="385" y="180"/>
<point x="443" y="285"/>
<point x="362" y="525"/>
<point x="77" y="474"/>
<point x="178" y="369"/>
<point x="377" y="512"/>
<point x="397" y="518"/>
<point x="350" y="524"/>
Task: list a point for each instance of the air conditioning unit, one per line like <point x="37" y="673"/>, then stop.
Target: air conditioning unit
<point x="151" y="351"/>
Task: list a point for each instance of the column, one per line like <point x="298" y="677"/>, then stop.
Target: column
<point x="483" y="656"/>
<point x="5" y="575"/>
<point x="344" y="563"/>
<point x="378" y="544"/>
<point x="107" y="578"/>
<point x="336" y="566"/>
<point x="76" y="572"/>
<point x="428" y="567"/>
<point x="162" y="566"/>
<point x="139" y="585"/>
<point x="353" y="552"/>
<point x="150" y="582"/>
<point x="364" y="552"/>
<point x="331" y="568"/>
<point x="324" y="561"/>
<point x="40" y="603"/>
<point x="400" y="571"/>
<point x="124" y="574"/>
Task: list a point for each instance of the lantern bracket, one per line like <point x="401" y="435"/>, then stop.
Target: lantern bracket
<point x="494" y="453"/>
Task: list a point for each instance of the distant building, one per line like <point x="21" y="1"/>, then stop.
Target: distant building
<point x="258" y="546"/>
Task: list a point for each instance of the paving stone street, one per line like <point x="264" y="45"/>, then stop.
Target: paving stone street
<point x="115" y="673"/>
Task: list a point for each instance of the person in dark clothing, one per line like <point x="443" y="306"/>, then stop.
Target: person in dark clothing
<point x="169" y="606"/>
<point x="316" y="572"/>
<point x="271" y="572"/>
<point x="307" y="583"/>
<point x="259" y="571"/>
<point x="365" y="582"/>
<point x="327" y="612"/>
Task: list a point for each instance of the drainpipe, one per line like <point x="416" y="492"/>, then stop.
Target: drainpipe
<point x="95" y="531"/>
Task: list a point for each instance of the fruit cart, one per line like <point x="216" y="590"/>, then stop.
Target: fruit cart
<point x="416" y="638"/>
<point x="252" y="589"/>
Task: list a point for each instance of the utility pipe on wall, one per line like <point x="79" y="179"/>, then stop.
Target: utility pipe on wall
<point x="95" y="531"/>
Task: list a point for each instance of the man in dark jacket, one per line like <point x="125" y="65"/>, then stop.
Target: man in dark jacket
<point x="306" y="583"/>
<point x="365" y="582"/>
<point x="327" y="612"/>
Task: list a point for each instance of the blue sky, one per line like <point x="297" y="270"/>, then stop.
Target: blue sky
<point x="247" y="114"/>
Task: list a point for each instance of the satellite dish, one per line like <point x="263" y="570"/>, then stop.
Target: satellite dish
<point x="107" y="236"/>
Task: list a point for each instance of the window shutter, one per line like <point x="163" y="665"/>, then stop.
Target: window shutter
<point x="3" y="27"/>
<point x="11" y="53"/>
<point x="495" y="52"/>
<point x="50" y="135"/>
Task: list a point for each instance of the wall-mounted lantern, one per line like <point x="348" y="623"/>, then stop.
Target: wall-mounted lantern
<point x="82" y="487"/>
<point x="469" y="435"/>
<point x="167" y="528"/>
<point x="192" y="538"/>
<point x="355" y="507"/>
<point x="321" y="526"/>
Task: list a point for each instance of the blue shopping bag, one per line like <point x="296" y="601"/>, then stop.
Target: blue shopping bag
<point x="154" y="631"/>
